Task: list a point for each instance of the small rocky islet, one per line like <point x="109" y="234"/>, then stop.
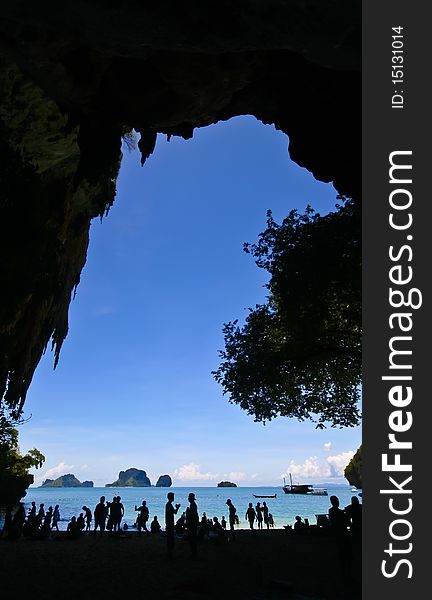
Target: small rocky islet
<point x="68" y="480"/>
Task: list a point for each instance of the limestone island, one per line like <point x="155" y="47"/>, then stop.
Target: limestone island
<point x="68" y="480"/>
<point x="164" y="481"/>
<point x="131" y="478"/>
<point x="353" y="471"/>
<point x="226" y="484"/>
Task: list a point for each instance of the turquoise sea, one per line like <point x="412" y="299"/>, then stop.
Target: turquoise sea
<point x="284" y="507"/>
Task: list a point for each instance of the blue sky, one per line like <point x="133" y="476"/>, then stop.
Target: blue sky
<point x="164" y="271"/>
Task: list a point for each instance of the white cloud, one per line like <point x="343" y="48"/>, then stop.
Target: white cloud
<point x="60" y="469"/>
<point x="191" y="472"/>
<point x="310" y="468"/>
<point x="327" y="446"/>
<point x="313" y="467"/>
<point x="338" y="462"/>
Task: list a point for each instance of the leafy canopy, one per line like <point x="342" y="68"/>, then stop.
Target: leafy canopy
<point x="12" y="463"/>
<point x="299" y="355"/>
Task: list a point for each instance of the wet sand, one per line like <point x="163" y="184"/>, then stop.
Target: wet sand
<point x="270" y="565"/>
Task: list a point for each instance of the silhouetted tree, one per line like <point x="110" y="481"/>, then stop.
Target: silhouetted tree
<point x="12" y="463"/>
<point x="299" y="355"/>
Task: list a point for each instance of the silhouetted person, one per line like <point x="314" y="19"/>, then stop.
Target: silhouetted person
<point x="259" y="515"/>
<point x="48" y="517"/>
<point x="299" y="526"/>
<point x="155" y="526"/>
<point x="100" y="515"/>
<point x="266" y="515"/>
<point x="40" y="515"/>
<point x="170" y="511"/>
<point x="217" y="527"/>
<point x="80" y="521"/>
<point x="119" y="514"/>
<point x="271" y="520"/>
<point x="32" y="514"/>
<point x="87" y="516"/>
<point x="251" y="516"/>
<point x="192" y="520"/>
<point x="56" y="517"/>
<point x="204" y="527"/>
<point x="181" y="523"/>
<point x="31" y="526"/>
<point x="223" y="523"/>
<point x="338" y="529"/>
<point x="354" y="516"/>
<point x="73" y="530"/>
<point x="45" y="530"/>
<point x="143" y="516"/>
<point x="231" y="517"/>
<point x="113" y="514"/>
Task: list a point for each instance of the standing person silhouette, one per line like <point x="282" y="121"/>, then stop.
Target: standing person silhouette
<point x="250" y="516"/>
<point x="266" y="515"/>
<point x="338" y="528"/>
<point x="32" y="513"/>
<point x="192" y="520"/>
<point x="231" y="517"/>
<point x="100" y="515"/>
<point x="88" y="517"/>
<point x="56" y="517"/>
<point x="354" y="517"/>
<point x="40" y="516"/>
<point x="119" y="514"/>
<point x="259" y="514"/>
<point x="143" y="516"/>
<point x="170" y="511"/>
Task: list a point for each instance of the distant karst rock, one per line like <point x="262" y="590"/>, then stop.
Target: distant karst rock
<point x="68" y="480"/>
<point x="131" y="478"/>
<point x="164" y="481"/>
<point x="226" y="484"/>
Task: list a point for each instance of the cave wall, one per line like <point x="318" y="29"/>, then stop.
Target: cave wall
<point x="73" y="79"/>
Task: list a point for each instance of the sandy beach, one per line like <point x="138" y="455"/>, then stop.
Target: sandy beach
<point x="268" y="566"/>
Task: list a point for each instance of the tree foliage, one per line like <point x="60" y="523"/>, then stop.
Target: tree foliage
<point x="299" y="355"/>
<point x="12" y="463"/>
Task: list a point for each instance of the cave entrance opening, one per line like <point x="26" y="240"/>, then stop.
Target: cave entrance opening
<point x="164" y="271"/>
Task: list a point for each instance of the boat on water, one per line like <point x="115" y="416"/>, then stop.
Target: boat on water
<point x="319" y="492"/>
<point x="256" y="496"/>
<point x="303" y="488"/>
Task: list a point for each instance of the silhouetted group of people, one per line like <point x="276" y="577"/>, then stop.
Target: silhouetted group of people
<point x="344" y="525"/>
<point x="260" y="514"/>
<point x="38" y="524"/>
<point x="107" y="516"/>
